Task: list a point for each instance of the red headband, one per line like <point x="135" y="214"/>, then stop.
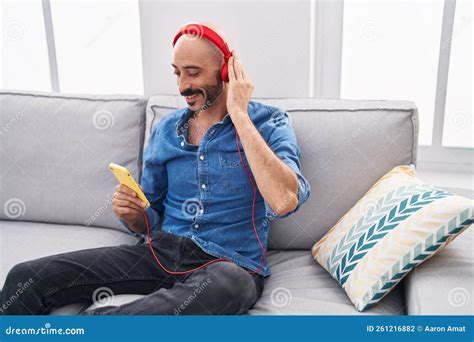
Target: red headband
<point x="202" y="31"/>
<point x="197" y="30"/>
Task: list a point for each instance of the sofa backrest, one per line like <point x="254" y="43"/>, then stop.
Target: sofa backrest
<point x="346" y="146"/>
<point x="55" y="150"/>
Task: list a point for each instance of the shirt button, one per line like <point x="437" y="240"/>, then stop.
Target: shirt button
<point x="196" y="225"/>
<point x="201" y="211"/>
<point x="182" y="143"/>
<point x="201" y="157"/>
<point x="203" y="186"/>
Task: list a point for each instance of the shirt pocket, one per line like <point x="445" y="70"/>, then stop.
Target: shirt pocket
<point x="233" y="175"/>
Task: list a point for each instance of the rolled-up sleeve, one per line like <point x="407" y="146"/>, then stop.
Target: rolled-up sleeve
<point x="154" y="182"/>
<point x="282" y="141"/>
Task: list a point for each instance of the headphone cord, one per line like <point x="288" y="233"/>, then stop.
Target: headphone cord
<point x="254" y="187"/>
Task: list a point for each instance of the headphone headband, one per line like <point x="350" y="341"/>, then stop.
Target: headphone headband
<point x="202" y="31"/>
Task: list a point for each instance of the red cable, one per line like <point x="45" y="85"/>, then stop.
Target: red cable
<point x="158" y="260"/>
<point x="253" y="205"/>
<point x="147" y="224"/>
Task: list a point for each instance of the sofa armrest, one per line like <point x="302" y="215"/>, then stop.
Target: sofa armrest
<point x="444" y="284"/>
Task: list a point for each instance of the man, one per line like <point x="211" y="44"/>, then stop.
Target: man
<point x="215" y="173"/>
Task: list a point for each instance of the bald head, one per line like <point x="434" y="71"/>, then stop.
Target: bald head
<point x="197" y="62"/>
<point x="193" y="47"/>
<point x="197" y="51"/>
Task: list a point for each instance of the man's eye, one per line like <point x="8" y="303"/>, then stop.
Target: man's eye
<point x="194" y="74"/>
<point x="176" y="73"/>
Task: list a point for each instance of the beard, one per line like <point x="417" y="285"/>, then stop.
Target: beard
<point x="210" y="93"/>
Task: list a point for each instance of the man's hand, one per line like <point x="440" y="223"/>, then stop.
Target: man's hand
<point x="126" y="205"/>
<point x="240" y="88"/>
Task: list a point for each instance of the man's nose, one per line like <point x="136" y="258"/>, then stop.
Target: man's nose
<point x="183" y="84"/>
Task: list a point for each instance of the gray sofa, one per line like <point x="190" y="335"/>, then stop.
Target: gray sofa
<point x="56" y="191"/>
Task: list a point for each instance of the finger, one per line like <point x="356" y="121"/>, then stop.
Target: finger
<point x="122" y="196"/>
<point x="126" y="190"/>
<point x="127" y="211"/>
<point x="230" y="69"/>
<point x="131" y="194"/>
<point x="245" y="75"/>
<point x="237" y="69"/>
<point x="124" y="203"/>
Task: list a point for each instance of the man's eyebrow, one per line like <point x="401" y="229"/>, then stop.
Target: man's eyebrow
<point x="190" y="66"/>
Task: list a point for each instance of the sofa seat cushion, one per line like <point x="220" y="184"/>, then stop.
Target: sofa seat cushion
<point x="311" y="288"/>
<point x="22" y="241"/>
<point x="444" y="284"/>
<point x="298" y="286"/>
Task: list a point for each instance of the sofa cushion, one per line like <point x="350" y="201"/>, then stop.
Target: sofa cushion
<point x="346" y="145"/>
<point x="299" y="287"/>
<point x="398" y="224"/>
<point x="22" y="241"/>
<point x="444" y="285"/>
<point x="55" y="149"/>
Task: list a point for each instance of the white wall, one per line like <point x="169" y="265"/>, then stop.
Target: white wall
<point x="271" y="38"/>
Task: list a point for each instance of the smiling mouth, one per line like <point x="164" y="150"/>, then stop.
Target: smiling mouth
<point x="192" y="97"/>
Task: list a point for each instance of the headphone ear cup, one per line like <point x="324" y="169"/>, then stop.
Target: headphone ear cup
<point x="225" y="72"/>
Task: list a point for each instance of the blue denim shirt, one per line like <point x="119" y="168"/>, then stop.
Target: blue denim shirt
<point x="203" y="192"/>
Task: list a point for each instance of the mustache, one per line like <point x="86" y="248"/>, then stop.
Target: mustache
<point x="190" y="92"/>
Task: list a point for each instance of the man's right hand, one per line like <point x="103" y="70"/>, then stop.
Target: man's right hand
<point x="126" y="205"/>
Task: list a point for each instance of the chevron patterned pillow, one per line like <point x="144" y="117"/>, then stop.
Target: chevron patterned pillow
<point x="399" y="223"/>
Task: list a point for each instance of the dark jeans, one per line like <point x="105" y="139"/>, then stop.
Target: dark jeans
<point x="92" y="275"/>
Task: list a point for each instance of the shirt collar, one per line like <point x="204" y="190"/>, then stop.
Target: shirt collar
<point x="182" y="123"/>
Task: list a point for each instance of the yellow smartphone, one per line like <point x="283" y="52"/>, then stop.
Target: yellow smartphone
<point x="125" y="177"/>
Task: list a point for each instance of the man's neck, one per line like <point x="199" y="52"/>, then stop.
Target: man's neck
<point x="215" y="113"/>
